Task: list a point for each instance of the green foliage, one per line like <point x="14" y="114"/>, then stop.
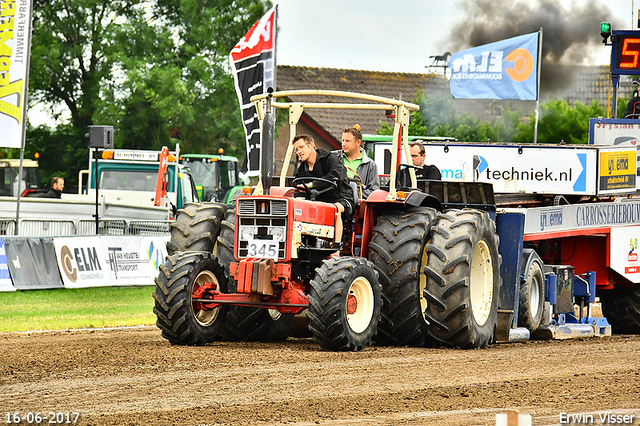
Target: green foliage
<point x="438" y="117"/>
<point x="156" y="70"/>
<point x="560" y="122"/>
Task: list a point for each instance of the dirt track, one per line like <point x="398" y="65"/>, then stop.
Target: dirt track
<point x="135" y="377"/>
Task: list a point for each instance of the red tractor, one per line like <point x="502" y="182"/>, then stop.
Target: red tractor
<point x="406" y="275"/>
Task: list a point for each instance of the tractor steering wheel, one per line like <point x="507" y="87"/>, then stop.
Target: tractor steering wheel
<point x="313" y="193"/>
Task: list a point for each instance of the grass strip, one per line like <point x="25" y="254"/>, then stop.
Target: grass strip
<point x="61" y="309"/>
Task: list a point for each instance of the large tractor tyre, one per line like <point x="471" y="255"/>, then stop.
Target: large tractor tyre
<point x="244" y="323"/>
<point x="463" y="270"/>
<point x="196" y="227"/>
<point x="621" y="307"/>
<point x="225" y="241"/>
<point x="531" y="301"/>
<point x="344" y="304"/>
<point x="182" y="321"/>
<point x="398" y="250"/>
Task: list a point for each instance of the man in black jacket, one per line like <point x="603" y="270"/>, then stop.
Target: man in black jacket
<point x="424" y="172"/>
<point x="633" y="106"/>
<point x="318" y="163"/>
<point x="57" y="185"/>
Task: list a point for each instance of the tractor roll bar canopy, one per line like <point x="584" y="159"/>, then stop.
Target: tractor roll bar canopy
<point x="400" y="129"/>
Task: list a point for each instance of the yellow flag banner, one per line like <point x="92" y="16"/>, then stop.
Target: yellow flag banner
<point x="15" y="36"/>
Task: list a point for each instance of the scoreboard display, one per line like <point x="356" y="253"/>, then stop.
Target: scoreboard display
<point x="625" y="53"/>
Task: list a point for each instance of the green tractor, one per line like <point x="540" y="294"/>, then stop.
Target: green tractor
<point x="217" y="177"/>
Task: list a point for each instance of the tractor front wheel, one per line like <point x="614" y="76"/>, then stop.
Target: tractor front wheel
<point x="182" y="321"/>
<point x="344" y="304"/>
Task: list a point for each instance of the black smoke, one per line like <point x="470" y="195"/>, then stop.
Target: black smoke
<point x="571" y="34"/>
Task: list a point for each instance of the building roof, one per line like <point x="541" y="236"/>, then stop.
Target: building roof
<point x="401" y="86"/>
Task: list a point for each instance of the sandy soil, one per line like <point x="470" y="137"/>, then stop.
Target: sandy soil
<point x="135" y="377"/>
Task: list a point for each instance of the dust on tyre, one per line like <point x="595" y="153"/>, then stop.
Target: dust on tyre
<point x="182" y="321"/>
<point x="398" y="250"/>
<point x="344" y="304"/>
<point x="463" y="270"/>
<point x="531" y="301"/>
<point x="621" y="307"/>
<point x="196" y="227"/>
<point x="245" y="323"/>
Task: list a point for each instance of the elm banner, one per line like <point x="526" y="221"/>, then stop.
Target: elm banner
<point x="98" y="261"/>
<point x="15" y="39"/>
<point x="506" y="69"/>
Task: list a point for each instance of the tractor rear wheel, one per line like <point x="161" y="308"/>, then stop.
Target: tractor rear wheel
<point x="344" y="304"/>
<point x="621" y="307"/>
<point x="245" y="323"/>
<point x="398" y="250"/>
<point x="196" y="227"/>
<point x="463" y="285"/>
<point x="182" y="321"/>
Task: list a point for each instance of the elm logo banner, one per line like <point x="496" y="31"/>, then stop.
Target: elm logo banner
<point x="82" y="262"/>
<point x="505" y="69"/>
<point x="15" y="33"/>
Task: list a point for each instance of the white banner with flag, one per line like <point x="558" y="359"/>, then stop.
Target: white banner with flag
<point x="253" y="62"/>
<point x="506" y="69"/>
<point x="15" y="35"/>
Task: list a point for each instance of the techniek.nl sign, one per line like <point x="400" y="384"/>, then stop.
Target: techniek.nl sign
<point x="518" y="169"/>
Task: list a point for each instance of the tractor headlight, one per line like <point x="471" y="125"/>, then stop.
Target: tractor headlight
<point x="247" y="232"/>
<point x="278" y="233"/>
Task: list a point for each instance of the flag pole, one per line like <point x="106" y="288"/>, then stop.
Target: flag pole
<point x="25" y="104"/>
<point x="537" y="113"/>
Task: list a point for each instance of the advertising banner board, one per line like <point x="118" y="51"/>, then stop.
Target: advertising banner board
<point x="32" y="263"/>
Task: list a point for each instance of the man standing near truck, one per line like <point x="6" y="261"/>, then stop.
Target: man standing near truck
<point x="57" y="186"/>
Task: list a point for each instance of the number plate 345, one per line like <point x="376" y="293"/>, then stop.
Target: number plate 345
<point x="264" y="249"/>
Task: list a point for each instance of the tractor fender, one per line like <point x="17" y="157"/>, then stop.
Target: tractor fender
<point x="420" y="199"/>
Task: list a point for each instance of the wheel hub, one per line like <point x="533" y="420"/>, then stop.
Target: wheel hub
<point x="359" y="304"/>
<point x="202" y="316"/>
<point x="352" y="304"/>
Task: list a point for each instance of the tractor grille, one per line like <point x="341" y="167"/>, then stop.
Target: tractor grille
<point x="262" y="207"/>
<point x="263" y="216"/>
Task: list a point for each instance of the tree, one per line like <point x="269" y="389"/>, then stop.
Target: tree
<point x="438" y="117"/>
<point x="154" y="69"/>
<point x="559" y="122"/>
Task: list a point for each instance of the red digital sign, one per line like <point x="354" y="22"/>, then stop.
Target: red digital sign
<point x="627" y="54"/>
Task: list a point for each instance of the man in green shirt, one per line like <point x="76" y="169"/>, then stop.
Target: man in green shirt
<point x="357" y="162"/>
